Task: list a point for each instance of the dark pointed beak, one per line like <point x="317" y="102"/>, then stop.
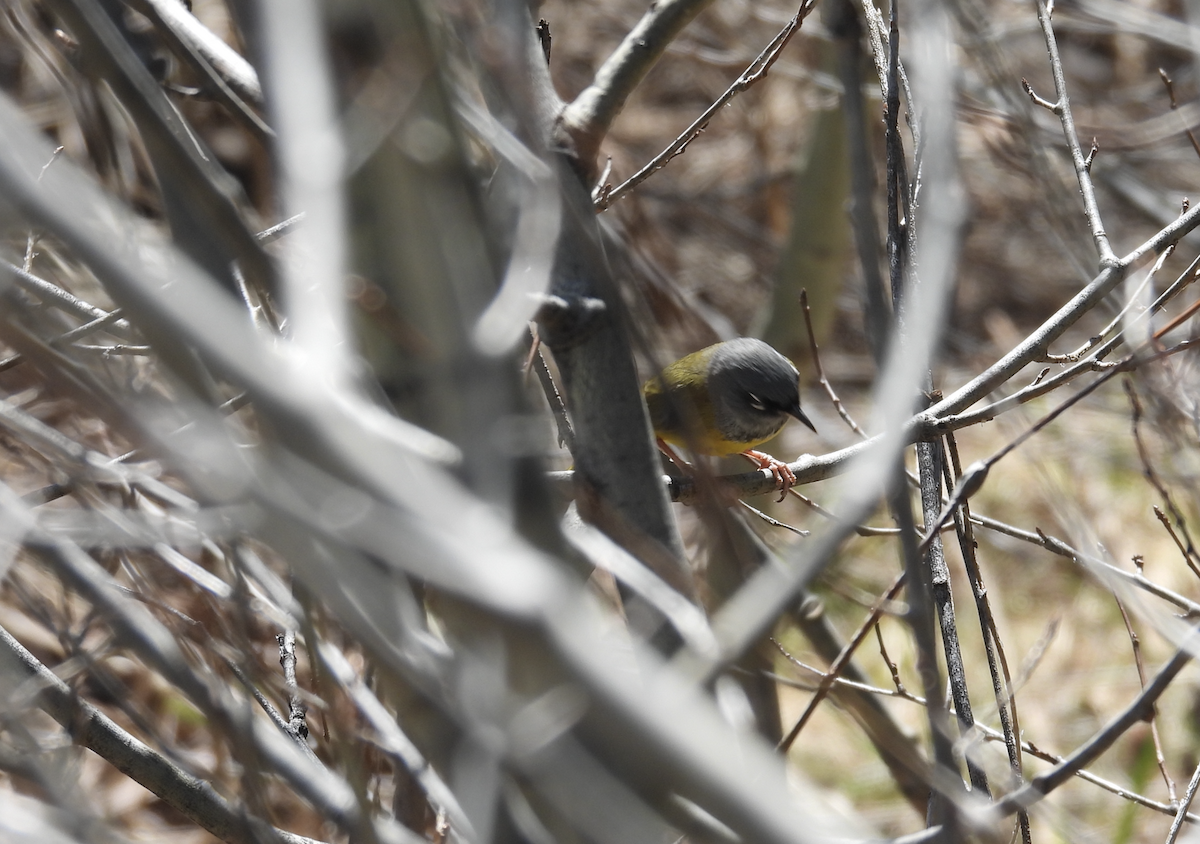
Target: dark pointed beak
<point x="799" y="414"/>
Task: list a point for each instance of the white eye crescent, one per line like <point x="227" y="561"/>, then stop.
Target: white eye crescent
<point x="756" y="402"/>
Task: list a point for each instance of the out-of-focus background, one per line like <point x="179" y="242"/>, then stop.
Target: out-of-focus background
<point x="720" y="243"/>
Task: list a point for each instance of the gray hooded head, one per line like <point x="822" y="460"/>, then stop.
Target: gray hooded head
<point x="754" y="390"/>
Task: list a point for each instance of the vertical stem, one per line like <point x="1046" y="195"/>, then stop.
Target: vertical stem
<point x="915" y="309"/>
<point x="897" y="179"/>
<point x="920" y="619"/>
<point x="1082" y="167"/>
<point x="847" y="32"/>
<point x="1006" y="703"/>
<point x="1181" y="816"/>
<point x="929" y="464"/>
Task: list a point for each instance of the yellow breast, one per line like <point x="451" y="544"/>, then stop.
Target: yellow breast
<point x="681" y="409"/>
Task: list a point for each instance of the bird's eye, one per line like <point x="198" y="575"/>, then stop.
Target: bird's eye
<point x="756" y="402"/>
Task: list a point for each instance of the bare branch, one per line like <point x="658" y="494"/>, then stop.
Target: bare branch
<point x="1137" y="710"/>
<point x="588" y="118"/>
<point x="1082" y="168"/>
<point x="193" y="797"/>
<point x="754" y="73"/>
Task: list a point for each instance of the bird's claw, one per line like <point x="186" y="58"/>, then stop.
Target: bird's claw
<point x="785" y="478"/>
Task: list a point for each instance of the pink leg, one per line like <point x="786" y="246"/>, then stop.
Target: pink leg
<point x="785" y="478"/>
<point x="672" y="456"/>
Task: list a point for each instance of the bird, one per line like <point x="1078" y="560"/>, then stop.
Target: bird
<point x="726" y="399"/>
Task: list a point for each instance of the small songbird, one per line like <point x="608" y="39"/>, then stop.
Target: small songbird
<point x="726" y="399"/>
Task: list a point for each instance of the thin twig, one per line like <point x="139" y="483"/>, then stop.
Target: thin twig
<point x="587" y="119"/>
<point x="296" y="707"/>
<point x="118" y="349"/>
<point x="1183" y="814"/>
<point x="273" y="233"/>
<point x="54" y="296"/>
<point x="987" y="732"/>
<point x="1037" y="100"/>
<point x="537" y="362"/>
<point x="191" y="796"/>
<point x="69" y="336"/>
<point x="1042" y="385"/>
<point x="1188" y="547"/>
<point x="773" y="522"/>
<point x="841" y="682"/>
<point x="1094" y="340"/>
<point x="755" y="72"/>
<point x="1152" y="717"/>
<point x="820" y="370"/>
<point x="976" y="473"/>
<point x="272" y="713"/>
<point x="1166" y="523"/>
<point x="1063" y="109"/>
<point x="1137" y="710"/>
<point x="1038" y="342"/>
<point x="893" y="668"/>
<point x="1057" y="546"/>
<point x="861" y="530"/>
<point x="1170" y="86"/>
<point x="842" y="660"/>
<point x="1087" y="776"/>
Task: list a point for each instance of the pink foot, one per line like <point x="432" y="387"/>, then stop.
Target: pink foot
<point x="785" y="478"/>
